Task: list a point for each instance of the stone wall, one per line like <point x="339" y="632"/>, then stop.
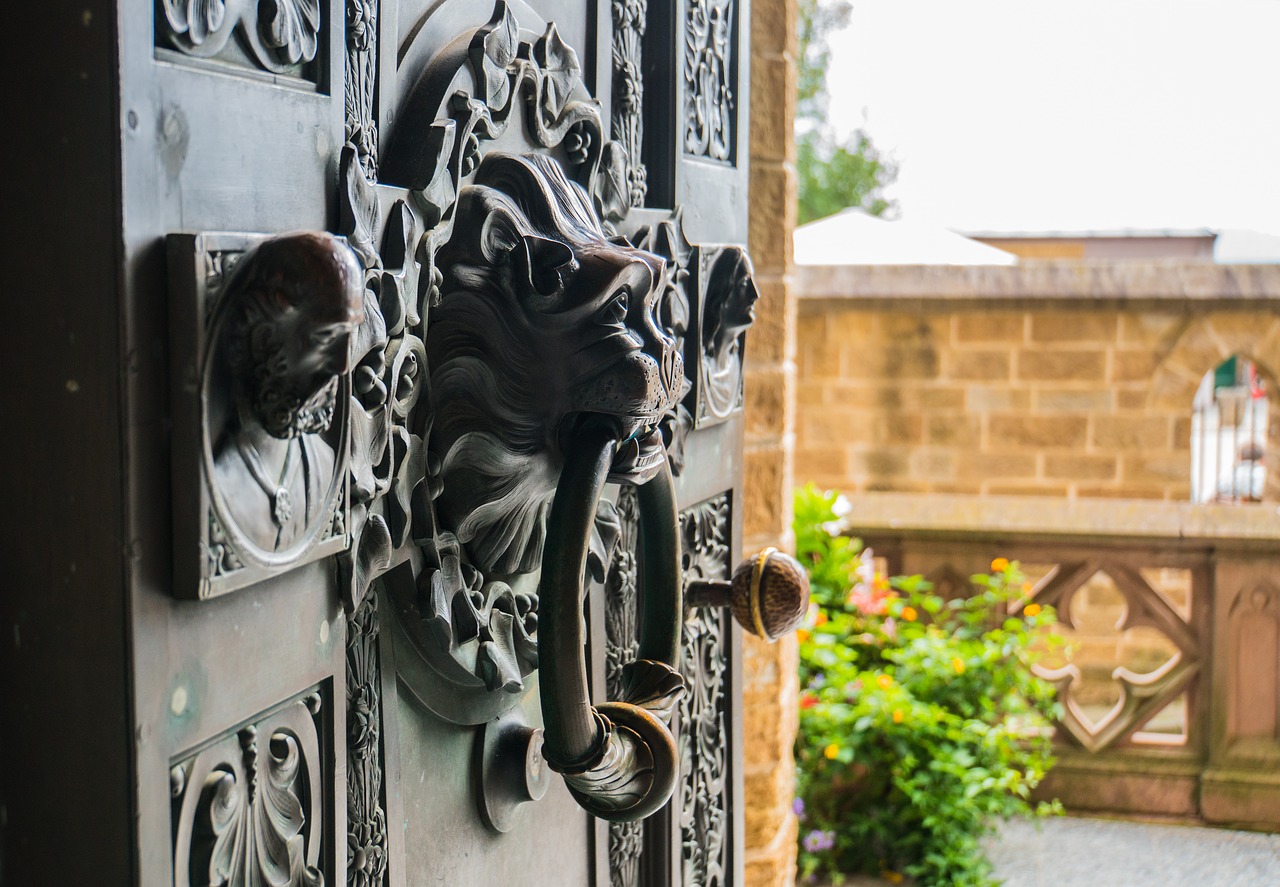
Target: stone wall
<point x="1054" y="379"/>
<point x="769" y="671"/>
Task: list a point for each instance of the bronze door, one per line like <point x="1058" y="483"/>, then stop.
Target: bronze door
<point x="434" y="313"/>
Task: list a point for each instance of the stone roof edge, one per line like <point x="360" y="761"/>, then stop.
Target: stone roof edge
<point x="916" y="515"/>
<point x="1042" y="281"/>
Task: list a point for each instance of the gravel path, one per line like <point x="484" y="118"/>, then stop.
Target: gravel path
<point x="1070" y="852"/>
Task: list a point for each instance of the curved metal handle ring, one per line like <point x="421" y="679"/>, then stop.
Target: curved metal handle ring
<point x="618" y="759"/>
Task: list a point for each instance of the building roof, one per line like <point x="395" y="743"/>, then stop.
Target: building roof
<point x="1093" y="233"/>
<point x="852" y="237"/>
<point x="1241" y="247"/>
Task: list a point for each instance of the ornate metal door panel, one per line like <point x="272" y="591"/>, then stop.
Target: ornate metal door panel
<point x="435" y="391"/>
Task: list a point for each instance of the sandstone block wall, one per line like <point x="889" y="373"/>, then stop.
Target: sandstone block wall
<point x="770" y="692"/>
<point x="1073" y="387"/>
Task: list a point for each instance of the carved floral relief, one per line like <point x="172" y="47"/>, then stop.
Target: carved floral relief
<point x="709" y="71"/>
<point x="704" y="796"/>
<point x="249" y="809"/>
<point x="627" y="123"/>
<point x="278" y="36"/>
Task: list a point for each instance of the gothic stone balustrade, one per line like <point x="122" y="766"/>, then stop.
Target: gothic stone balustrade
<point x="1172" y="699"/>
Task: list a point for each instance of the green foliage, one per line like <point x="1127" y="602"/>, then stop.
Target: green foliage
<point x="921" y="722"/>
<point x="815" y="20"/>
<point x="832" y="174"/>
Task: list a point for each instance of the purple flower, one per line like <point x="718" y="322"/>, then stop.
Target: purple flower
<point x="797" y="807"/>
<point x="819" y="840"/>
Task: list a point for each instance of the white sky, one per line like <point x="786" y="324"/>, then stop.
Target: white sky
<point x="1038" y="115"/>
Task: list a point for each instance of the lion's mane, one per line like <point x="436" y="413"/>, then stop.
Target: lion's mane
<point x="495" y="393"/>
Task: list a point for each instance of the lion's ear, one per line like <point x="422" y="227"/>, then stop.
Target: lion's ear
<point x="499" y="235"/>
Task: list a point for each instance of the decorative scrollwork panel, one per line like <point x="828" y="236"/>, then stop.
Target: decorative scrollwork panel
<point x="277" y="36"/>
<point x="626" y="839"/>
<point x="249" y="809"/>
<point x="367" y="858"/>
<point x="710" y="72"/>
<point x="704" y="795"/>
<point x="627" y="124"/>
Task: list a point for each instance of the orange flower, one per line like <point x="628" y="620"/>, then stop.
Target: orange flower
<point x="1026" y="588"/>
<point x="884" y="682"/>
<point x="898" y="716"/>
<point x="1031" y="609"/>
<point x="821" y="620"/>
<point x="892" y="877"/>
<point x="802" y="634"/>
<point x="910" y="614"/>
<point x="831" y="752"/>
<point x="999" y="565"/>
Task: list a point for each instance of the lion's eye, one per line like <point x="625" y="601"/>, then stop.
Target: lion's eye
<point x="616" y="311"/>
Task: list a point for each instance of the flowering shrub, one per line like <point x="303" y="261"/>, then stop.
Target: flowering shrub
<point x="921" y="722"/>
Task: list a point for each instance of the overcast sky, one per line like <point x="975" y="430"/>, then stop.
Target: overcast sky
<point x="1037" y="115"/>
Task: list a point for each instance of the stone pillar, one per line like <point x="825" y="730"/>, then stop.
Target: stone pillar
<point x="769" y="670"/>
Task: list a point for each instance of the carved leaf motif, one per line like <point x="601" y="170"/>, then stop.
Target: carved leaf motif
<point x="366" y="819"/>
<point x="244" y="823"/>
<point x="652" y="685"/>
<point x="611" y="189"/>
<point x="290" y="28"/>
<point x="560" y="70"/>
<point x="362" y="20"/>
<point x="493" y="51"/>
<point x="438" y="191"/>
<point x="360" y="209"/>
<point x="196" y="19"/>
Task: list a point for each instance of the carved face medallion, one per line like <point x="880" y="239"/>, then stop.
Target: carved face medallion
<point x="273" y="418"/>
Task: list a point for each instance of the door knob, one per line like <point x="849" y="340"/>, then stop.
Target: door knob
<point x="768" y="593"/>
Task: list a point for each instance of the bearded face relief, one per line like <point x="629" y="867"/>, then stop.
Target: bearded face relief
<point x="544" y="323"/>
<point x="729" y="295"/>
<point x="281" y="347"/>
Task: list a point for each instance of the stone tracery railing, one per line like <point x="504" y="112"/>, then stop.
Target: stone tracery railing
<point x="1190" y="724"/>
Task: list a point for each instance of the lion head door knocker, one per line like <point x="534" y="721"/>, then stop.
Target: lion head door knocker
<point x="549" y="378"/>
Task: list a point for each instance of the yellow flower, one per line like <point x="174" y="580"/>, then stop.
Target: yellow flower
<point x="831" y="752"/>
<point x="1026" y="588"/>
<point x="958" y="665"/>
<point x="898" y="716"/>
<point x="821" y="620"/>
<point x="999" y="565"/>
<point x="909" y="614"/>
<point x="802" y="634"/>
<point x="1031" y="609"/>
<point x="884" y="682"/>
